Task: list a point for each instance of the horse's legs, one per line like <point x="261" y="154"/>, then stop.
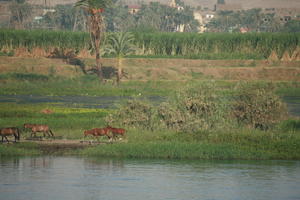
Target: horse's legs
<point x="33" y="133"/>
<point x="6" y="138"/>
<point x="51" y="133"/>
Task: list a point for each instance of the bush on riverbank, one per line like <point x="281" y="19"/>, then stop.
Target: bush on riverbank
<point x="204" y="107"/>
<point x="257" y="106"/>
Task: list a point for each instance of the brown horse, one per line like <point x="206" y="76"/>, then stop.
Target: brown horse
<point x="97" y="132"/>
<point x="39" y="128"/>
<point x="116" y="131"/>
<point x="4" y="132"/>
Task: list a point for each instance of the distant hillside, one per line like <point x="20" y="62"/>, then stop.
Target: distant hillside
<point x="246" y="4"/>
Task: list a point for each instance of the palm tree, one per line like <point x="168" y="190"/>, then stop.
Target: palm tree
<point x="95" y="8"/>
<point x="120" y="45"/>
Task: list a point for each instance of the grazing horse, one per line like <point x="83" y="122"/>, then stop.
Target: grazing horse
<point x="97" y="132"/>
<point x="4" y="132"/>
<point x="39" y="128"/>
<point x="116" y="131"/>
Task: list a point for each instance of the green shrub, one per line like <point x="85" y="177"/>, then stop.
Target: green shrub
<point x="135" y="113"/>
<point x="193" y="109"/>
<point x="257" y="106"/>
<point x="196" y="107"/>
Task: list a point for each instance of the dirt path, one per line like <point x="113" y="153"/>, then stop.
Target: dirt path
<point x="62" y="146"/>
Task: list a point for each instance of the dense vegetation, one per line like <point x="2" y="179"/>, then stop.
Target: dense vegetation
<point x="188" y="45"/>
<point x="202" y="121"/>
<point x="146" y="17"/>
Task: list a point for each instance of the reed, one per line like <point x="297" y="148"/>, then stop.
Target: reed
<point x="42" y="38"/>
<point x="187" y="45"/>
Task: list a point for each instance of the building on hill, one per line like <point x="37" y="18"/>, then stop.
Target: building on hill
<point x="203" y="17"/>
<point x="173" y="4"/>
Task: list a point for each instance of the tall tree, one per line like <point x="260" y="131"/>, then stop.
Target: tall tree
<point x="120" y="45"/>
<point x="20" y="12"/>
<point x="95" y="8"/>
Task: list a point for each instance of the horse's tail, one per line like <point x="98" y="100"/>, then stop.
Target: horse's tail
<point x="51" y="133"/>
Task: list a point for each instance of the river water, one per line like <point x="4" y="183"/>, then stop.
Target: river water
<point x="54" y="178"/>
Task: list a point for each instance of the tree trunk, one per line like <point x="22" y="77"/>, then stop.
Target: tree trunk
<point x="119" y="75"/>
<point x="75" y="21"/>
<point x="95" y="30"/>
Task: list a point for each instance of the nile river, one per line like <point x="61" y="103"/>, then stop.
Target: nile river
<point x="64" y="178"/>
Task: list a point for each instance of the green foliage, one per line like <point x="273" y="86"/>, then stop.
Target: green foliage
<point x="257" y="106"/>
<point x="195" y="108"/>
<point x="186" y="45"/>
<point x="190" y="44"/>
<point x="253" y="19"/>
<point x="238" y="144"/>
<point x="12" y="39"/>
<point x="23" y="77"/>
<point x="120" y="44"/>
<point x="292" y="26"/>
<point x="203" y="107"/>
<point x="5" y="53"/>
<point x="134" y="113"/>
<point x="19" y="149"/>
<point x="290" y="125"/>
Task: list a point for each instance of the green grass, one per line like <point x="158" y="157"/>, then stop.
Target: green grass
<point x="205" y="56"/>
<point x="68" y="123"/>
<point x="19" y="149"/>
<point x="35" y="84"/>
<point x="230" y="145"/>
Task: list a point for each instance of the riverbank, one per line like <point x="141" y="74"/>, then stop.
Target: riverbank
<point x="68" y="120"/>
<point x="230" y="145"/>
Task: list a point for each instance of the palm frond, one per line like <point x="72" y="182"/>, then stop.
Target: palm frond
<point x="120" y="44"/>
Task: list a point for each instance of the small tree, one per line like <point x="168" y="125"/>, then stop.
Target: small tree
<point x="120" y="45"/>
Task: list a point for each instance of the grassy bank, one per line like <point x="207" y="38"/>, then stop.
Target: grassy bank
<point x="243" y="144"/>
<point x="282" y="142"/>
<point x="237" y="145"/>
<point x="37" y="84"/>
<point x="68" y="123"/>
<point x="19" y="149"/>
